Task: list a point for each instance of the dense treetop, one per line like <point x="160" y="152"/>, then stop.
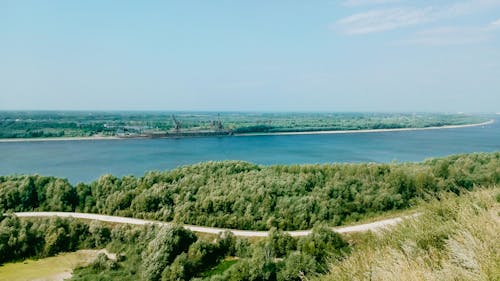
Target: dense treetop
<point x="242" y="195"/>
<point x="153" y="253"/>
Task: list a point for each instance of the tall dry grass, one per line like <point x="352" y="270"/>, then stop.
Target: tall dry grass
<point x="457" y="238"/>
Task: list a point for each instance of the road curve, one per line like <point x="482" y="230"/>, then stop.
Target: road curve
<point x="213" y="230"/>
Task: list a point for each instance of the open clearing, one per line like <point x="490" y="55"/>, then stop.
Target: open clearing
<point x="55" y="268"/>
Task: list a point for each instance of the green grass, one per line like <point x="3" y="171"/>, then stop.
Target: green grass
<point x="220" y="268"/>
<point x="52" y="268"/>
<point x="456" y="238"/>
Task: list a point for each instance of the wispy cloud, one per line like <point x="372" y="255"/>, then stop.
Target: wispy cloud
<point x="455" y="35"/>
<point x="384" y="19"/>
<point x="377" y="20"/>
<point x="469" y="7"/>
<point x="495" y="24"/>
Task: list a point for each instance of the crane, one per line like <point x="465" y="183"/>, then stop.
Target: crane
<point x="217" y="124"/>
<point x="177" y="124"/>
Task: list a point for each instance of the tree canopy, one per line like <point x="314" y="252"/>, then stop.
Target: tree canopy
<point x="241" y="195"/>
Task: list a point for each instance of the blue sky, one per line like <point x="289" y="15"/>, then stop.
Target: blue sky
<point x="346" y="55"/>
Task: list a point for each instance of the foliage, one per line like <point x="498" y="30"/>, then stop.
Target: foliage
<point x="323" y="244"/>
<point x="171" y="253"/>
<point x="163" y="249"/>
<point x="21" y="239"/>
<point x="455" y="239"/>
<point x="282" y="257"/>
<point x="242" y="195"/>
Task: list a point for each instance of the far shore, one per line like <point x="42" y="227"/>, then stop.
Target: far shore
<point x="368" y="130"/>
<point x="97" y="138"/>
<point x="61" y="139"/>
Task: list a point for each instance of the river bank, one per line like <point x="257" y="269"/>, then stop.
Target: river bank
<point x="98" y="138"/>
<point x="92" y="138"/>
<point x="369" y="130"/>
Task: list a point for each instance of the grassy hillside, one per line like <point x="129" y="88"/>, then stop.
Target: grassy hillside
<point x="457" y="238"/>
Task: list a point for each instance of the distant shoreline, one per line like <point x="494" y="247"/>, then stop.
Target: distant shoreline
<point x="61" y="139"/>
<point x="98" y="138"/>
<point x="368" y="130"/>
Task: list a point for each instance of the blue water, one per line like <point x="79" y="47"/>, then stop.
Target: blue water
<point x="87" y="160"/>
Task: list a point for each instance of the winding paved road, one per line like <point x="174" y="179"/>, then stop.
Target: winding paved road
<point x="214" y="230"/>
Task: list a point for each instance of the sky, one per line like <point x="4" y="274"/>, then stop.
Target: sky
<point x="345" y="55"/>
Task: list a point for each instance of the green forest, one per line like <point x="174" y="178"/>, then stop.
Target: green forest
<point x="39" y="124"/>
<point x="241" y="195"/>
<point x="455" y="238"/>
<point x="247" y="196"/>
<point x="171" y="252"/>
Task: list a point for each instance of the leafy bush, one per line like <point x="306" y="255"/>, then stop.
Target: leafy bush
<point x="242" y="195"/>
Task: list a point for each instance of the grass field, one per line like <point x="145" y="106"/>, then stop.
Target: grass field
<point x="456" y="238"/>
<point x="48" y="269"/>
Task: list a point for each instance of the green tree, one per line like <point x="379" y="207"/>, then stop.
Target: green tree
<point x="169" y="242"/>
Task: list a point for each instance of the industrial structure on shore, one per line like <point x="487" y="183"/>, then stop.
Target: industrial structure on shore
<point x="217" y="129"/>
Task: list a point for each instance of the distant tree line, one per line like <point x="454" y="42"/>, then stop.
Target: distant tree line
<point x="37" y="124"/>
<point x="242" y="195"/>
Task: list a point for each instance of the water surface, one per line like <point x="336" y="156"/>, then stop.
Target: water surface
<point x="87" y="160"/>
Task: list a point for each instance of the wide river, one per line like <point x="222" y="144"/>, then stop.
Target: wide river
<point x="88" y="159"/>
